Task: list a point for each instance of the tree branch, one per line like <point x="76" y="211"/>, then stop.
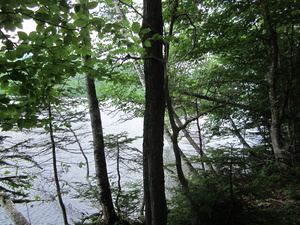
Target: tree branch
<point x="217" y="100"/>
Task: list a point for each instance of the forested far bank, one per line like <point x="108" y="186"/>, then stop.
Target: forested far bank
<point x="217" y="81"/>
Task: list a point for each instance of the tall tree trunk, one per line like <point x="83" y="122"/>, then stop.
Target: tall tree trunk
<point x="110" y="216"/>
<point x="273" y="75"/>
<point x="175" y="129"/>
<point x="183" y="181"/>
<point x="54" y="163"/>
<point x="154" y="187"/>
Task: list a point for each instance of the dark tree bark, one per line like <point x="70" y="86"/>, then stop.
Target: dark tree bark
<point x="154" y="188"/>
<point x="54" y="163"/>
<point x="110" y="216"/>
<point x="183" y="181"/>
<point x="273" y="75"/>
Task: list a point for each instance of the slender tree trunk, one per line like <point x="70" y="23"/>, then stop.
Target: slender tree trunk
<point x="110" y="216"/>
<point x="186" y="162"/>
<point x="273" y="75"/>
<point x="119" y="178"/>
<point x="154" y="187"/>
<point x="207" y="166"/>
<point x="54" y="163"/>
<point x="9" y="207"/>
<point x="183" y="181"/>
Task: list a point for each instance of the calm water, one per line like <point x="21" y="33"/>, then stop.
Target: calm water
<point x="71" y="167"/>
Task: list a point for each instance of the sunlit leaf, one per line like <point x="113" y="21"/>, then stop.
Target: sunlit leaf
<point x="147" y="43"/>
<point x="136" y="27"/>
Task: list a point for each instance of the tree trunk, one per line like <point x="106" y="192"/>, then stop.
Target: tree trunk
<point x="183" y="181"/>
<point x="54" y="163"/>
<point x="207" y="165"/>
<point x="8" y="206"/>
<point x="273" y="75"/>
<point x="191" y="169"/>
<point x="110" y="216"/>
<point x="154" y="187"/>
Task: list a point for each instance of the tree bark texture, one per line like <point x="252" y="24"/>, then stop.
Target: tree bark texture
<point x="9" y="207"/>
<point x="110" y="216"/>
<point x="154" y="188"/>
<point x="273" y="74"/>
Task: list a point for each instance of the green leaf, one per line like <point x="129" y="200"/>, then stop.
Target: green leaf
<point x="4" y="85"/>
<point x="107" y="27"/>
<point x="22" y="36"/>
<point x="4" y="78"/>
<point x="83" y="1"/>
<point x="55" y="19"/>
<point x="168" y="39"/>
<point x="43" y="16"/>
<point x="7" y="126"/>
<point x="131" y="48"/>
<point x="147" y="43"/>
<point x="63" y="53"/>
<point x="2" y="68"/>
<point x="100" y="35"/>
<point x="54" y="9"/>
<point x="33" y="36"/>
<point x="64" y="6"/>
<point x="19" y="53"/>
<point x="14" y="90"/>
<point x="6" y="172"/>
<point x="4" y="99"/>
<point x="20" y="123"/>
<point x="92" y="5"/>
<point x="80" y="23"/>
<point x="11" y="55"/>
<point x="9" y="45"/>
<point x="91" y="62"/>
<point x="98" y="22"/>
<point x="17" y="76"/>
<point x="77" y="7"/>
<point x="9" y="25"/>
<point x="145" y="31"/>
<point x="24" y="48"/>
<point x="136" y="27"/>
<point x="68" y="39"/>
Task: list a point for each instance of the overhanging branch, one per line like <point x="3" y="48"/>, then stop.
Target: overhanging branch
<point x="217" y="100"/>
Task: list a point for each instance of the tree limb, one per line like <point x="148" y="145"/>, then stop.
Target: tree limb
<point x="217" y="100"/>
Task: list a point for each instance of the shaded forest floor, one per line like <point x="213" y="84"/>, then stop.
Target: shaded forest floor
<point x="262" y="197"/>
